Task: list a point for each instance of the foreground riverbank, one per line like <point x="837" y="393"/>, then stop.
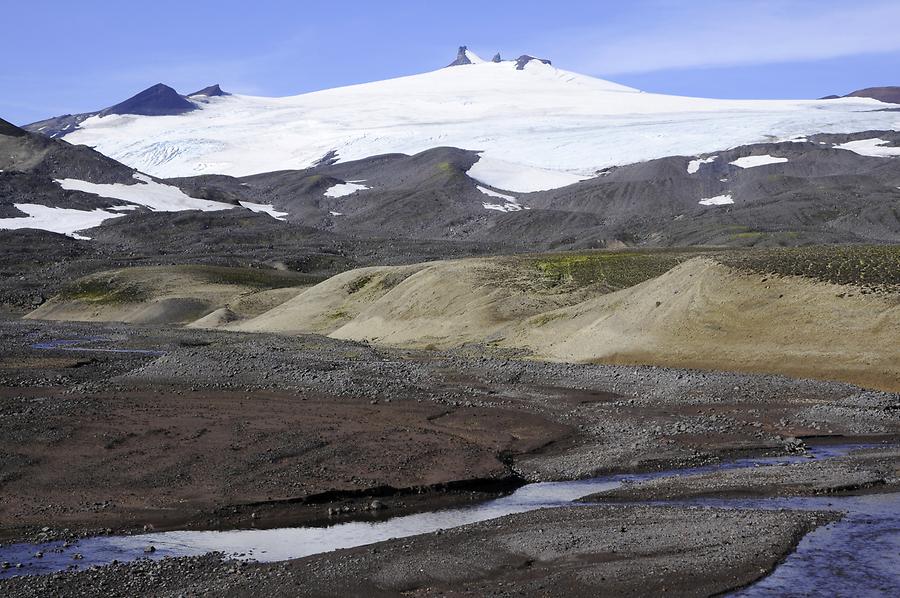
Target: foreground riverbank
<point x="219" y="430"/>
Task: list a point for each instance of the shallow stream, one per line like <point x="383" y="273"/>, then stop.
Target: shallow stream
<point x="859" y="555"/>
<point x="89" y="344"/>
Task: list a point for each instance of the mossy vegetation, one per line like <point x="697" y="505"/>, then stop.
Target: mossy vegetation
<point x="607" y="270"/>
<point x="377" y="283"/>
<point x="104" y="291"/>
<point x="359" y="284"/>
<point x="874" y="267"/>
<point x="134" y="285"/>
<point x="256" y="278"/>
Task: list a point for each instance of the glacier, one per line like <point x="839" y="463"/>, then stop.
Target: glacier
<point x="537" y="128"/>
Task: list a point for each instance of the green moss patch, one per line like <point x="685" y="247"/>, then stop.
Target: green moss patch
<point x="105" y="291"/>
<point x="876" y="267"/>
<point x="608" y="270"/>
<point x="256" y="278"/>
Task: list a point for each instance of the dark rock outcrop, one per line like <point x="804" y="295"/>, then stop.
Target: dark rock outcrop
<point x="496" y="58"/>
<point x="525" y="59"/>
<point x="159" y="100"/>
<point x="888" y="95"/>
<point x="212" y="91"/>
<point x="10" y="130"/>
<point x="59" y="126"/>
<point x="461" y="57"/>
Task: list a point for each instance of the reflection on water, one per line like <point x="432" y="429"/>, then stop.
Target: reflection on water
<point x="78" y="344"/>
<point x="869" y="531"/>
<point x="857" y="556"/>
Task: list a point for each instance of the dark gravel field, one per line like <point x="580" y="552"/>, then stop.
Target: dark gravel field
<point x="133" y="428"/>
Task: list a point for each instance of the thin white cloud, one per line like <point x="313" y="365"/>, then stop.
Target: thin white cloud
<point x="708" y="34"/>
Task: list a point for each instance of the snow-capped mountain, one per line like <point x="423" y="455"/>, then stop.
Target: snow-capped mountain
<point x="158" y="100"/>
<point x="537" y="126"/>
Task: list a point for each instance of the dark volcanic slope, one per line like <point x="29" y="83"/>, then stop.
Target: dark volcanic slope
<point x="211" y="91"/>
<point x="427" y="195"/>
<point x="890" y="95"/>
<point x="30" y="164"/>
<point x="24" y="152"/>
<point x="817" y="193"/>
<point x="10" y="130"/>
<point x="159" y="100"/>
<point x="820" y="194"/>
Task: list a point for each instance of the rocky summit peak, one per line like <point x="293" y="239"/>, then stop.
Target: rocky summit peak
<point x="154" y="101"/>
<point x="525" y="59"/>
<point x="211" y="92"/>
<point x="10" y="130"/>
<point x="462" y="57"/>
<point x="465" y="56"/>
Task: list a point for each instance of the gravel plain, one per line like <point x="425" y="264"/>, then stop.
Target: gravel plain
<point x="219" y="430"/>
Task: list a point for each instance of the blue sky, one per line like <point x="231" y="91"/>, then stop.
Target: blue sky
<point x="62" y="56"/>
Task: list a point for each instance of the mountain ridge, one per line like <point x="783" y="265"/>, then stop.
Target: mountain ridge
<point x="156" y="100"/>
<point x="537" y="126"/>
<point x="887" y="94"/>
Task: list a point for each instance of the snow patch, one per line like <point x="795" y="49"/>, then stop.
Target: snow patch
<point x="344" y="189"/>
<point x="870" y="147"/>
<point x="503" y="207"/>
<point x="149" y="193"/>
<point x="694" y="165"/>
<point x="264" y="208"/>
<point x="520" y="178"/>
<point x="336" y="213"/>
<point x="57" y="220"/>
<point x="510" y="204"/>
<point x="719" y="200"/>
<point x="755" y="161"/>
<point x="495" y="194"/>
<point x="473" y="57"/>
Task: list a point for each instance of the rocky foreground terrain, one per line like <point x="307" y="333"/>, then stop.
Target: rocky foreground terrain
<point x="559" y="552"/>
<point x="217" y="430"/>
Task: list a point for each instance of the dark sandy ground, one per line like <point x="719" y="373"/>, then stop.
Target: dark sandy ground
<point x="228" y="430"/>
